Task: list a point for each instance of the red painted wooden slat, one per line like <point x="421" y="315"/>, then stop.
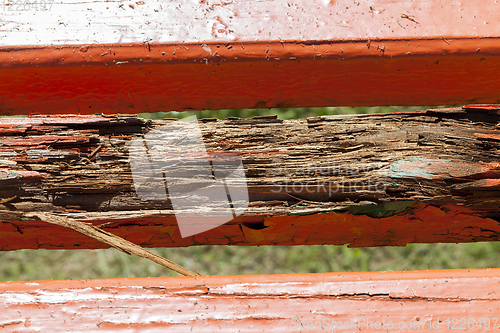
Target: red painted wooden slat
<point x="467" y="213"/>
<point x="229" y="55"/>
<point x="420" y="301"/>
<point x="420" y="223"/>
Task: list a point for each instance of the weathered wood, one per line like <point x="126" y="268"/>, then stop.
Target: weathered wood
<point x="423" y="301"/>
<point x="114" y="56"/>
<point x="363" y="180"/>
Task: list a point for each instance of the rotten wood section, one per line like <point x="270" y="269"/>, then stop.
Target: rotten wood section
<point x="120" y="56"/>
<point x="364" y="180"/>
<point x="421" y="301"/>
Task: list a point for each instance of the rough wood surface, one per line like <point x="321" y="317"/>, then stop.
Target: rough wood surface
<point x="423" y="301"/>
<point x="121" y="56"/>
<point x="363" y="180"/>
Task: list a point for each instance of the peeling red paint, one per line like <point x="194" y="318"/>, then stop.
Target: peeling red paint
<point x="70" y="191"/>
<point x="420" y="223"/>
<point x="428" y="168"/>
<point x="64" y="119"/>
<point x="244" y="74"/>
<point x="255" y="303"/>
<point x="482" y="183"/>
<point x="487" y="136"/>
<point x="426" y="72"/>
<point x="7" y="174"/>
<point x="45" y="140"/>
<point x="491" y="107"/>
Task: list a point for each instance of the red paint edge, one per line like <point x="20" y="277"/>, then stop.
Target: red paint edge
<point x="135" y="78"/>
<point x="419" y="223"/>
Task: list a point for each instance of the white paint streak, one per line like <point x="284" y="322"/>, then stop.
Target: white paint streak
<point x="206" y="48"/>
<point x="101" y="21"/>
<point x="7" y="162"/>
<point x="342" y="288"/>
<point x="70" y="295"/>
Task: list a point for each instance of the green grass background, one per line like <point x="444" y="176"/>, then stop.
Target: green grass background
<point x="231" y="260"/>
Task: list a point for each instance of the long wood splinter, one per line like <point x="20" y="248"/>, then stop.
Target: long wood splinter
<point x="112" y="240"/>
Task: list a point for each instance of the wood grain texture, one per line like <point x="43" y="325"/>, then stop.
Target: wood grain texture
<point x="363" y="180"/>
<point x="145" y="56"/>
<point x="423" y="301"/>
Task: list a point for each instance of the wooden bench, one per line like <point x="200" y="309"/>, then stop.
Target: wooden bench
<point x="364" y="180"/>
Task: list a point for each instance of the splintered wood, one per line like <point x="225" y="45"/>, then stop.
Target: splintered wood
<point x="363" y="180"/>
<point x="111" y="240"/>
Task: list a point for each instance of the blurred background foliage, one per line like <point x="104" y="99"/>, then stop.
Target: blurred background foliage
<point x="286" y="113"/>
<point x="231" y="260"/>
